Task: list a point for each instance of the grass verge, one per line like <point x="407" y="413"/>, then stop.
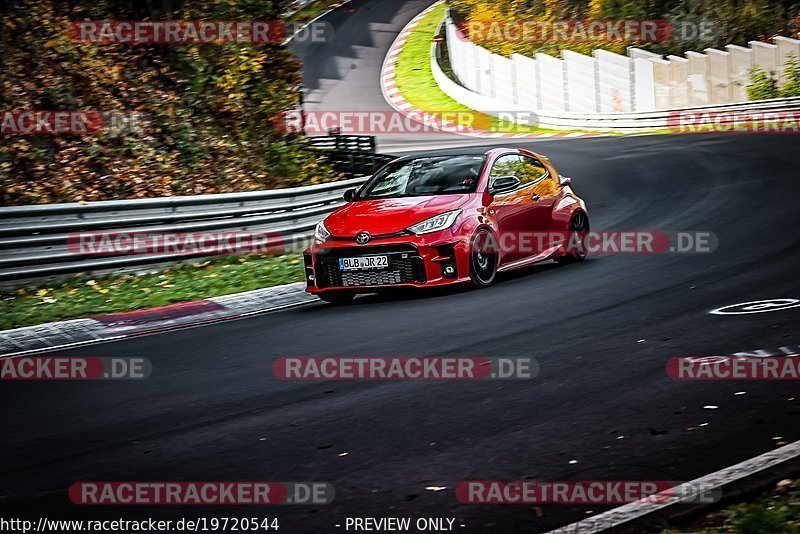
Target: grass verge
<point x="776" y="512"/>
<point x="80" y="297"/>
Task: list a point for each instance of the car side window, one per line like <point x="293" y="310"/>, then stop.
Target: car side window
<point x="544" y="185"/>
<point x="507" y="165"/>
<point x="528" y="170"/>
<point x="531" y="170"/>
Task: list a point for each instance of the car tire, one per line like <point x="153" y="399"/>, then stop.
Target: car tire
<point x="483" y="258"/>
<point x="338" y="299"/>
<point x="578" y="223"/>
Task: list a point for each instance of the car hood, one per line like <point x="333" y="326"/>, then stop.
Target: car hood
<point x="388" y="215"/>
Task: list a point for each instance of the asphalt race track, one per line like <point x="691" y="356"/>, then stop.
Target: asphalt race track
<point x="343" y="73"/>
<point x="213" y="411"/>
<point x="602" y="406"/>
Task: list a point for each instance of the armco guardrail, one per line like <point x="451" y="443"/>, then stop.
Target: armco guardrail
<point x="33" y="239"/>
<point x="351" y="155"/>
<point x="619" y="121"/>
<point x="356" y="143"/>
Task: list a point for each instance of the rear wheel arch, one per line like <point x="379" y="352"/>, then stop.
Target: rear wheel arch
<point x="578" y="222"/>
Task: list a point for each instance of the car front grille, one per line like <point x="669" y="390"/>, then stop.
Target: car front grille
<point x="405" y="266"/>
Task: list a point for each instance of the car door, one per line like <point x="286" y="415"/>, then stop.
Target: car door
<point x="545" y="192"/>
<point x="512" y="210"/>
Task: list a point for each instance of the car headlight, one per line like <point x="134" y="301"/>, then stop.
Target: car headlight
<point x="434" y="224"/>
<point x="321" y="233"/>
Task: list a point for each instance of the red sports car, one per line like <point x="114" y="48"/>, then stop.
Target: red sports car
<point x="432" y="220"/>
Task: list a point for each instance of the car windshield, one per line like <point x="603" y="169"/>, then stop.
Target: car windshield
<point x="437" y="175"/>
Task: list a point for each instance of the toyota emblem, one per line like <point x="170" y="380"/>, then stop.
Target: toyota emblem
<point x="362" y="238"/>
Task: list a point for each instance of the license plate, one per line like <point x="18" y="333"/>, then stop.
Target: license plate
<point x="363" y="262"/>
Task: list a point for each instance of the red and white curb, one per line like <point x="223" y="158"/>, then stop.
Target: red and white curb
<point x="392" y="95"/>
<point x="79" y="332"/>
<point x="622" y="515"/>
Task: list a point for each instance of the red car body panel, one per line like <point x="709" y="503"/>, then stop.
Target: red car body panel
<point x="530" y="209"/>
<point x="390" y="215"/>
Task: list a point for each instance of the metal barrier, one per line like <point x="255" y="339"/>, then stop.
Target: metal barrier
<point x="351" y="155"/>
<point x="34" y="239"/>
<point x="356" y="143"/>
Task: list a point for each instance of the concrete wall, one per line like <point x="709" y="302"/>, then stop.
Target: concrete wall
<point x="609" y="83"/>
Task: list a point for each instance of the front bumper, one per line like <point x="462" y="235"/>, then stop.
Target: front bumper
<point x="413" y="262"/>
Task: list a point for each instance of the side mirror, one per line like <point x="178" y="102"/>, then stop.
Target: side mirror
<point x="349" y="195"/>
<point x="503" y="184"/>
<point x="566" y="180"/>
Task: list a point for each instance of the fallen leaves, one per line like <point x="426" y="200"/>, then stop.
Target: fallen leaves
<point x="223" y="139"/>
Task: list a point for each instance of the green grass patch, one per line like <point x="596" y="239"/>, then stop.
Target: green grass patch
<point x="82" y="297"/>
<point x="775" y="512"/>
